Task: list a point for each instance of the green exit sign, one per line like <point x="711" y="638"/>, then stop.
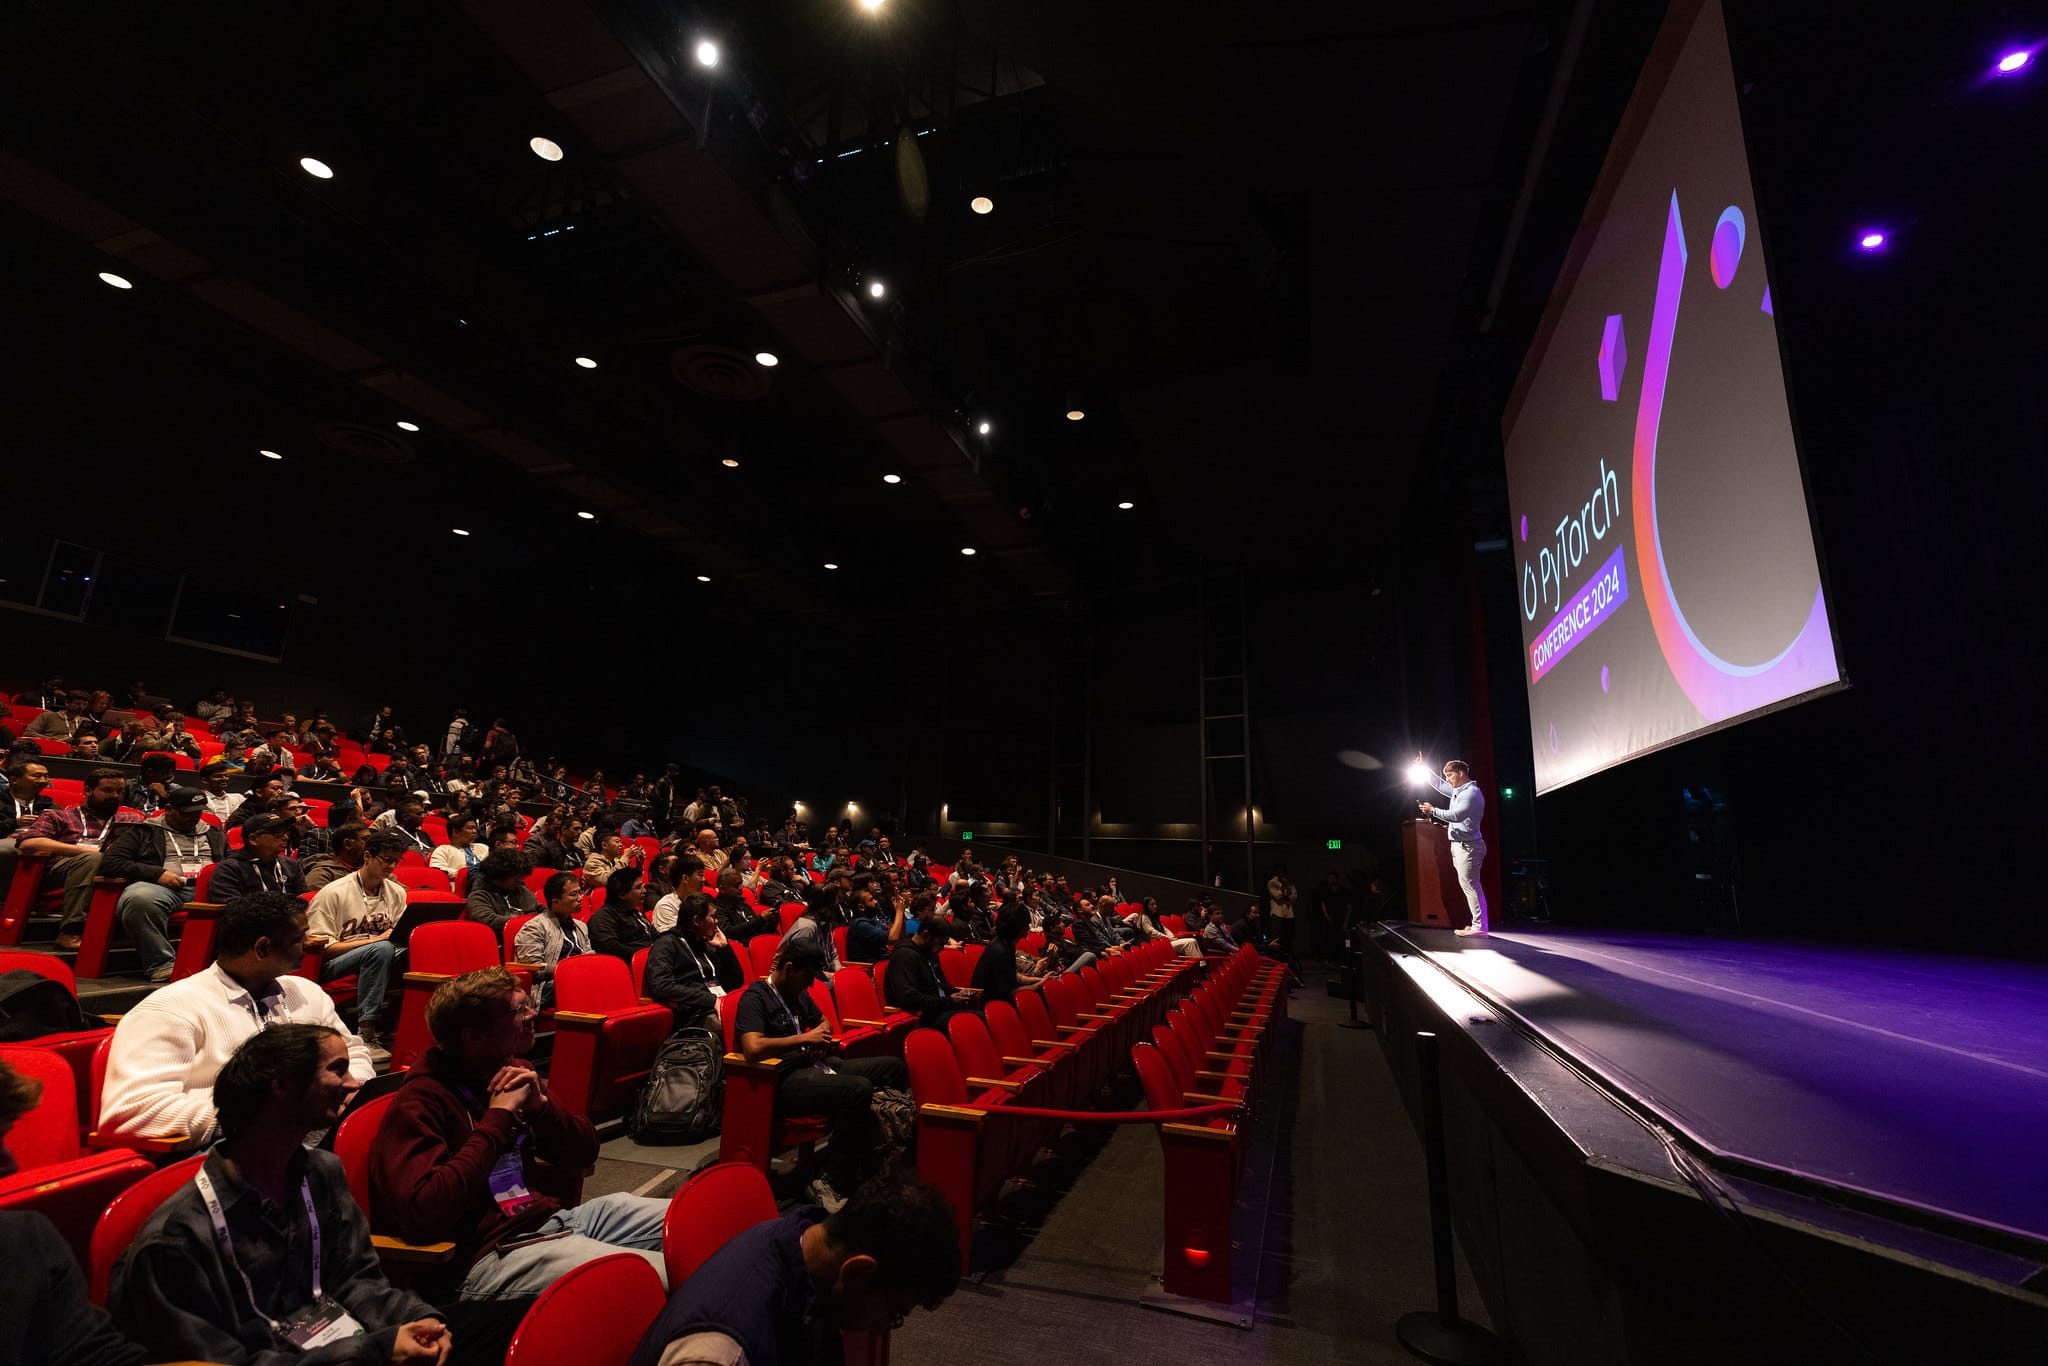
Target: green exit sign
<point x="1507" y="792"/>
<point x="1333" y="844"/>
<point x="966" y="834"/>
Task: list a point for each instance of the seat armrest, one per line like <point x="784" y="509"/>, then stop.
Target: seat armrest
<point x="141" y="1143"/>
<point x="993" y="1084"/>
<point x="1054" y="1043"/>
<point x="737" y="1062"/>
<point x="398" y="1250"/>
<point x="856" y="1020"/>
<point x="1203" y="1098"/>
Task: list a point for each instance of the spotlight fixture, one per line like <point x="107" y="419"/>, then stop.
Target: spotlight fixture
<point x="118" y="282"/>
<point x="730" y="463"/>
<point x="767" y="358"/>
<point x="586" y="362"/>
<point x="871" y="6"/>
<point x="1075" y="414"/>
<point x="1871" y="241"/>
<point x="1418" y="773"/>
<point x="270" y="455"/>
<point x="966" y="550"/>
<point x="830" y="565"/>
<point x="547" y="149"/>
<point x="892" y="478"/>
<point x="876" y="289"/>
<point x="1125" y="507"/>
<point x="981" y="203"/>
<point x="2013" y="61"/>
<point x="984" y="428"/>
<point x="587" y="516"/>
<point x="316" y="168"/>
<point x="408" y="426"/>
<point x="458" y="531"/>
<point x="707" y="53"/>
<point x="703" y="578"/>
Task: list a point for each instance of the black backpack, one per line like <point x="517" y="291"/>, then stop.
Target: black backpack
<point x="33" y="1006"/>
<point x="684" y="1098"/>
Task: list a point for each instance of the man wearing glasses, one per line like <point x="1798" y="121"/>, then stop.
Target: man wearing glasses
<point x="1468" y="844"/>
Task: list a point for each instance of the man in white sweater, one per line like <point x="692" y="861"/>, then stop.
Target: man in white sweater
<point x="169" y="1048"/>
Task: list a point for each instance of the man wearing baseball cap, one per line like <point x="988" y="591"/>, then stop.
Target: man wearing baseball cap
<point x="160" y="859"/>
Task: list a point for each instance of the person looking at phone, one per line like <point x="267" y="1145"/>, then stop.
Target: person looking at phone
<point x="778" y="1021"/>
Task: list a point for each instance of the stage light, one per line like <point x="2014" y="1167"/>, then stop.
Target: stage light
<point x="458" y="531"/>
<point x="730" y="463"/>
<point x="703" y="578"/>
<point x="966" y="550"/>
<point x="587" y="516"/>
<point x="1871" y="241"/>
<point x="981" y="203"/>
<point x="876" y="289"/>
<point x="586" y="362"/>
<point x="892" y="478"/>
<point x="1125" y="507"/>
<point x="108" y="277"/>
<point x="547" y="149"/>
<point x="1075" y="414"/>
<point x="408" y="426"/>
<point x="2013" y="61"/>
<point x="767" y="358"/>
<point x="707" y="53"/>
<point x="871" y="6"/>
<point x="984" y="428"/>
<point x="319" y="170"/>
<point x="1418" y="773"/>
<point x="270" y="455"/>
<point x="830" y="565"/>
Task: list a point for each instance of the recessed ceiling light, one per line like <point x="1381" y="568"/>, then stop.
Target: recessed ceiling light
<point x="876" y="289"/>
<point x="707" y="53"/>
<point x="547" y="149"/>
<point x="703" y="578"/>
<point x="966" y="550"/>
<point x="1075" y="414"/>
<point x="1126" y="507"/>
<point x="270" y="455"/>
<point x="767" y="358"/>
<point x="118" y="282"/>
<point x="408" y="426"/>
<point x="318" y="169"/>
<point x="871" y="5"/>
<point x="892" y="478"/>
<point x="830" y="565"/>
<point x="587" y="516"/>
<point x="984" y="429"/>
<point x="2013" y="61"/>
<point x="586" y="362"/>
<point x="730" y="463"/>
<point x="458" y="531"/>
<point x="981" y="203"/>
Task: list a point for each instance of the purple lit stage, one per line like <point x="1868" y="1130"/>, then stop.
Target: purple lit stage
<point x="1915" y="1078"/>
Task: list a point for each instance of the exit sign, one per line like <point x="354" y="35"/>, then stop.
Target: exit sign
<point x="966" y="834"/>
<point x="1333" y="844"/>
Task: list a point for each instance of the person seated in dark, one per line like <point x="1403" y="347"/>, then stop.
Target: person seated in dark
<point x="778" y="1019"/>
<point x="43" y="1293"/>
<point x="876" y="928"/>
<point x="250" y="1288"/>
<point x="498" y="891"/>
<point x="997" y="976"/>
<point x="1252" y="930"/>
<point x="261" y="864"/>
<point x="784" y="885"/>
<point x="692" y="964"/>
<point x="913" y="981"/>
<point x="786" y="1288"/>
<point x="736" y="915"/>
<point x="619" y="927"/>
<point x="1216" y="936"/>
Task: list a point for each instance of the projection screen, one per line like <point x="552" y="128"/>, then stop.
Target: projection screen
<point x="1666" y="569"/>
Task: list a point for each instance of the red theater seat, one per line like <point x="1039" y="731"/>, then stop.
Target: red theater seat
<point x="58" y="1178"/>
<point x="724" y="1199"/>
<point x="752" y="1132"/>
<point x="124" y="1220"/>
<point x="593" y="1315"/>
<point x="605" y="1039"/>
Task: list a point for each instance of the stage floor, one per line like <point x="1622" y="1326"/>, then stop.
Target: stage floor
<point x="1913" y="1076"/>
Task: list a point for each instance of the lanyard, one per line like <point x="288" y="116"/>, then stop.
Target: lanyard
<point x="263" y="879"/>
<point x="703" y="961"/>
<point x="227" y="1245"/>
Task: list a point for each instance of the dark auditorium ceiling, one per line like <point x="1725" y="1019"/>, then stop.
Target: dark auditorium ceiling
<point x="1240" y="239"/>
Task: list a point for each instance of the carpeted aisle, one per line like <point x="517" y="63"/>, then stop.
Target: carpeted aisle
<point x="1347" y="1245"/>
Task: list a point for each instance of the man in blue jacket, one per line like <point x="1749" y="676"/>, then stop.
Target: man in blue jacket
<point x="1468" y="843"/>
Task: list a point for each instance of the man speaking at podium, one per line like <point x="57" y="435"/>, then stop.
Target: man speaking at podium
<point x="1468" y="845"/>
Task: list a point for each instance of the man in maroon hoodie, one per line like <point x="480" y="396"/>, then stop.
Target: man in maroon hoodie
<point x="455" y="1154"/>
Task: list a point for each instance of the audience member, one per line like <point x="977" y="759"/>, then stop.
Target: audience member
<point x="996" y="976"/>
<point x="498" y="891"/>
<point x="261" y="864"/>
<point x="169" y="1047"/>
<point x="873" y="933"/>
<point x="267" y="1248"/>
<point x="26" y="781"/>
<point x="815" y="926"/>
<point x="688" y="878"/>
<point x="619" y="927"/>
<point x="161" y="860"/>
<point x="913" y="981"/>
<point x="71" y="838"/>
<point x="59" y="725"/>
<point x="457" y="1152"/>
<point x="609" y="854"/>
<point x="741" y="918"/>
<point x="344" y="855"/>
<point x="352" y="917"/>
<point x="692" y="964"/>
<point x="778" y="1019"/>
<point x="783" y="1290"/>
<point x="1216" y="936"/>
<point x="554" y="934"/>
<point x="463" y="849"/>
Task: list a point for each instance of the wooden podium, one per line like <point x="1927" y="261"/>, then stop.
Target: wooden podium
<point x="1434" y="897"/>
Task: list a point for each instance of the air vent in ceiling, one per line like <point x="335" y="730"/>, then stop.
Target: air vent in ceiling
<point x="359" y="441"/>
<point x="719" y="372"/>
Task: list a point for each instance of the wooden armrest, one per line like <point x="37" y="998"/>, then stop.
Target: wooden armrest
<point x="114" y="1018"/>
<point x="1092" y="1015"/>
<point x="1075" y="1029"/>
<point x="1053" y="1043"/>
<point x="1213" y="1056"/>
<point x="533" y="968"/>
<point x="398" y="1250"/>
<point x="582" y="1019"/>
<point x="141" y="1143"/>
<point x="738" y="1061"/>
<point x="428" y="978"/>
<point x="1218" y="1076"/>
<point x="1011" y="1086"/>
<point x="1202" y="1098"/>
<point x="954" y="1114"/>
<point x="856" y="1020"/>
<point x="1028" y="1062"/>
